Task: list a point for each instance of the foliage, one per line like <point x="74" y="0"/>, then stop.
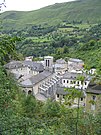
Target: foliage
<point x="52" y="108"/>
<point x="7" y="48"/>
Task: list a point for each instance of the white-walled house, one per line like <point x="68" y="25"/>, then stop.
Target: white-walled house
<point x="75" y="65"/>
<point x="71" y="80"/>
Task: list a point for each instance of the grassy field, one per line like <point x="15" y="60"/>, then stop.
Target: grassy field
<point x="85" y="11"/>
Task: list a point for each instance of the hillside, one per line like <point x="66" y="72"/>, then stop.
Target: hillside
<point x="80" y="10"/>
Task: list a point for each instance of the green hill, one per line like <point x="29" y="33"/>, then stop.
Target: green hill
<point x="81" y="10"/>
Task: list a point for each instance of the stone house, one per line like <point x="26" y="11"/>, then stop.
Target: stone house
<point x="93" y="98"/>
<point x="61" y="95"/>
<point x="60" y="66"/>
<point x="24" y="69"/>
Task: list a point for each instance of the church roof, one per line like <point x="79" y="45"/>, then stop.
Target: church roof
<point x="39" y="77"/>
<point x="36" y="79"/>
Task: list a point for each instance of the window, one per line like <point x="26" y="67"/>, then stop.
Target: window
<point x="74" y="82"/>
<point x="63" y="96"/>
<point x="64" y="81"/>
<point x="57" y="95"/>
<point x="71" y="82"/>
<point x="78" y="82"/>
<point x="94" y="97"/>
<point x="67" y="81"/>
<point x="85" y="83"/>
<point x="81" y="99"/>
<point x="29" y="92"/>
<point x="48" y="63"/>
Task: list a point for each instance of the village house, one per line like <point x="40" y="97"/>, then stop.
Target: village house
<point x="71" y="80"/>
<point x="24" y="69"/>
<point x="93" y="98"/>
<point x="60" y="66"/>
<point x="62" y="94"/>
<point x="75" y="65"/>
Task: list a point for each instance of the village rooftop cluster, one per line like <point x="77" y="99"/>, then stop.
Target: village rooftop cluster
<point x="48" y="79"/>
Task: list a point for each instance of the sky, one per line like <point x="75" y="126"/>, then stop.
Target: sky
<point x="28" y="5"/>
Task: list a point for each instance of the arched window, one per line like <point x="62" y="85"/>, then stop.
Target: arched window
<point x="57" y="95"/>
<point x="48" y="63"/>
<point x="85" y="83"/>
<point x="29" y="92"/>
<point x="67" y="81"/>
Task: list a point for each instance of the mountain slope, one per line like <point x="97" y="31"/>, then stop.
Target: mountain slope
<point x="81" y="10"/>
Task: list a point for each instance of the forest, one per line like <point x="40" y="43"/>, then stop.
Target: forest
<point x="21" y="114"/>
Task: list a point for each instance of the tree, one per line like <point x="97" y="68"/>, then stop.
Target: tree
<point x="7" y="48"/>
<point x="52" y="108"/>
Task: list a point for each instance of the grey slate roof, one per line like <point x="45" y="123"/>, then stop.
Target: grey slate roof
<point x="61" y="91"/>
<point x="69" y="75"/>
<point x="36" y="79"/>
<point x="18" y="64"/>
<point x="73" y="76"/>
<point x="34" y="65"/>
<point x="61" y="61"/>
<point x="27" y="83"/>
<point x="75" y="60"/>
<point x="95" y="89"/>
<point x="14" y="65"/>
<point x="58" y="66"/>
